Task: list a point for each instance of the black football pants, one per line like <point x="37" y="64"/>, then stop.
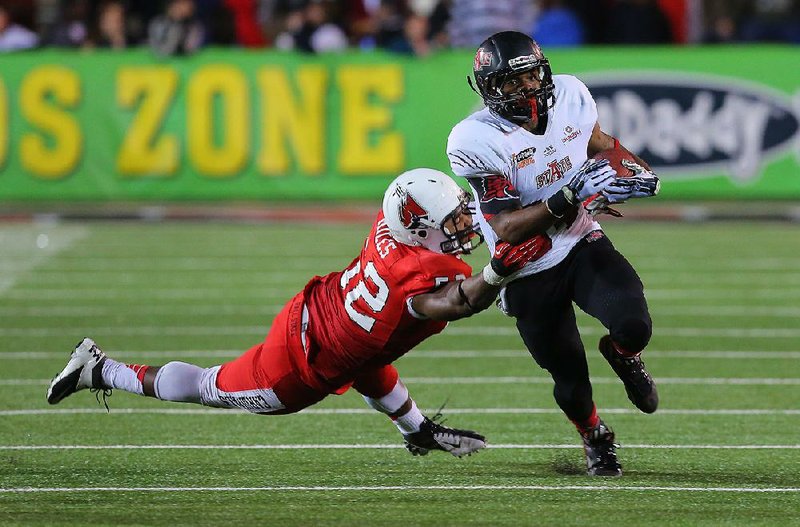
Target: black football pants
<point x="603" y="284"/>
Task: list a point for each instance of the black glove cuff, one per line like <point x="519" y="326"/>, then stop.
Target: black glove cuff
<point x="559" y="203"/>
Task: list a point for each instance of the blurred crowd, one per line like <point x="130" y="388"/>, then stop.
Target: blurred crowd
<point x="175" y="27"/>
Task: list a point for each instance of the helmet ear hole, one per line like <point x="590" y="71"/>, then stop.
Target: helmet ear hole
<point x="422" y="234"/>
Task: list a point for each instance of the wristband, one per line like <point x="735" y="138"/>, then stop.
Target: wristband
<point x="559" y="203"/>
<point x="491" y="277"/>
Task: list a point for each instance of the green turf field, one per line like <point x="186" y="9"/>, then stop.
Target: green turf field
<point x="723" y="449"/>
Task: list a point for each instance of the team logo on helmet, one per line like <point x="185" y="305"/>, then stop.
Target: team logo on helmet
<point x="483" y="58"/>
<point x="411" y="212"/>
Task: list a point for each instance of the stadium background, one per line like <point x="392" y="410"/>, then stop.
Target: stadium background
<point x="276" y="162"/>
<point x="227" y="124"/>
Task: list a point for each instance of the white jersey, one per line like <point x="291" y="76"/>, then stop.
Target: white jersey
<point x="492" y="152"/>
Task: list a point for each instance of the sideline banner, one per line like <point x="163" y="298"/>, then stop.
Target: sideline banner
<point x="720" y="122"/>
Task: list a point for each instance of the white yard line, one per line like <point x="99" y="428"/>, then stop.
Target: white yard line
<point x="744" y="381"/>
<point x="754" y="381"/>
<point x="418" y="354"/>
<point x="141" y="330"/>
<point x="695" y="332"/>
<point x="176" y="263"/>
<point x="79" y="310"/>
<point x="166" y="293"/>
<point x="347" y="446"/>
<point x="23" y="248"/>
<point x="368" y="411"/>
<point x="247" y="291"/>
<point x="401" y="488"/>
<point x="473" y="331"/>
<point x="93" y="310"/>
<point x="727" y="311"/>
<point x="743" y="262"/>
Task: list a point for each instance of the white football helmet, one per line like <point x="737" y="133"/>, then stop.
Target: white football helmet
<point x="422" y="207"/>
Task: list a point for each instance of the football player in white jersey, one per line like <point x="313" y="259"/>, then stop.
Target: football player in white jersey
<point x="527" y="156"/>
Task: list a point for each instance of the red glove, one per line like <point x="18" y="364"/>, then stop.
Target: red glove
<point x="508" y="259"/>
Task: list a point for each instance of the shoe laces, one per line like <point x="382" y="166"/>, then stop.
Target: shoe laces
<point x="96" y="352"/>
<point x="600" y="435"/>
<point x="600" y="441"/>
<point x="634" y="364"/>
<point x="105" y="392"/>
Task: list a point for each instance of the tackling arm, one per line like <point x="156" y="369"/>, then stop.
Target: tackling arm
<point x="517" y="224"/>
<point x="448" y="302"/>
<point x="465" y="297"/>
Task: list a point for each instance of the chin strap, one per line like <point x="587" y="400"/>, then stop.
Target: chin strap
<point x="472" y="86"/>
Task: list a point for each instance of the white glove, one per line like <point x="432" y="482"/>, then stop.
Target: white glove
<point x="643" y="184"/>
<point x="598" y="204"/>
<point x="592" y="177"/>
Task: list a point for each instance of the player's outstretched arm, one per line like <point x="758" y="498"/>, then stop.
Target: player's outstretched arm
<point x="465" y="297"/>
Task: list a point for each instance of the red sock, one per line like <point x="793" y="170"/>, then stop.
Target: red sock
<point x="586" y="425"/>
<point x="139" y="370"/>
<point x="622" y="351"/>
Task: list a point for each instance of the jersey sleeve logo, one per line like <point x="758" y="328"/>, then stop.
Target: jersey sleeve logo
<point x="497" y="188"/>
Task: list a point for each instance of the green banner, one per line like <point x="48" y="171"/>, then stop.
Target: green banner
<point x="233" y="124"/>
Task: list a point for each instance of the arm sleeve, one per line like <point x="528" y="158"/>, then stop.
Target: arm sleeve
<point x="472" y="156"/>
<point x="494" y="193"/>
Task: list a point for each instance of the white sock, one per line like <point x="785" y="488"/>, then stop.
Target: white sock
<point x="392" y="401"/>
<point x="120" y="376"/>
<point x="409" y="422"/>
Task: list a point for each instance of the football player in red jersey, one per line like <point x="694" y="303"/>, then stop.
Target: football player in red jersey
<point x="344" y="329"/>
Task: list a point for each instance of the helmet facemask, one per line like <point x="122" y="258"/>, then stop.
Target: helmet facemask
<point x="522" y="105"/>
<point x="460" y="240"/>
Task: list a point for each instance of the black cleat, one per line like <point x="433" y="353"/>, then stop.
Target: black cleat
<point x="601" y="452"/>
<point x="434" y="436"/>
<point x="639" y="385"/>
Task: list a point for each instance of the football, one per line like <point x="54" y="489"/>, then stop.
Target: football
<point x="615" y="157"/>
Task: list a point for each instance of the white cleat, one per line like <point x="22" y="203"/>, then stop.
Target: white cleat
<point x="82" y="371"/>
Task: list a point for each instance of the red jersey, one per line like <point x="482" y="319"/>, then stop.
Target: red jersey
<point x="362" y="317"/>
